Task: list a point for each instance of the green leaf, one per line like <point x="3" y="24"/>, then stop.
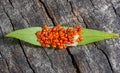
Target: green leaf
<point x="90" y="36"/>
<point x="28" y="35"/>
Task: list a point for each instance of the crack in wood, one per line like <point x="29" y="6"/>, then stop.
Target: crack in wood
<point x="84" y="21"/>
<point x="11" y="3"/>
<point x="16" y="62"/>
<point x="72" y="10"/>
<point x="95" y="22"/>
<point x="115" y="11"/>
<point x="105" y="56"/>
<point x="92" y="3"/>
<point x="26" y="57"/>
<point x="48" y="13"/>
<point x="18" y="11"/>
<point x="51" y="16"/>
<point x="96" y="44"/>
<point x="11" y="24"/>
<point x="2" y="37"/>
<point x="73" y="61"/>
<point x="49" y="58"/>
<point x="9" y="18"/>
<point x="5" y="62"/>
<point x="98" y="48"/>
<point x="4" y="58"/>
<point x="47" y="10"/>
<point x="24" y="17"/>
<point x="18" y="41"/>
<point x="89" y="66"/>
<point x="71" y="5"/>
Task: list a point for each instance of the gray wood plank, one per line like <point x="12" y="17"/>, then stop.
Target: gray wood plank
<point x="20" y="57"/>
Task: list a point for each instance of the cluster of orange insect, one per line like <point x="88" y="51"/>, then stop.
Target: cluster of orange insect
<point x="57" y="36"/>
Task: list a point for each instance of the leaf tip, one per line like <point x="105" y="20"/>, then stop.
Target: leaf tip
<point x="116" y="35"/>
<point x="7" y="35"/>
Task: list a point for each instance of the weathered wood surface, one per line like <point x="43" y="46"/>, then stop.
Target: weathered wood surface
<point x="20" y="57"/>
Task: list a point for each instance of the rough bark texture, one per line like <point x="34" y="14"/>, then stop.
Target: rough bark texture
<point x="19" y="57"/>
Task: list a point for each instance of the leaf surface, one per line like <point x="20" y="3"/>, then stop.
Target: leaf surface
<point x="89" y="35"/>
<point x="27" y="35"/>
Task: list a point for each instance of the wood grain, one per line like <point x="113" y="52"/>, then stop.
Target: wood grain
<point x="19" y="57"/>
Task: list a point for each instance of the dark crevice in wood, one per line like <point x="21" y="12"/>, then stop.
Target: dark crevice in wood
<point x="72" y="57"/>
<point x="93" y="6"/>
<point x="26" y="57"/>
<point x="92" y="19"/>
<point x="12" y="25"/>
<point x="73" y="61"/>
<point x="5" y="62"/>
<point x="72" y="10"/>
<point x="92" y="3"/>
<point x="11" y="3"/>
<point x="47" y="12"/>
<point x="89" y="66"/>
<point x="7" y="66"/>
<point x="97" y="47"/>
<point x="19" y="12"/>
<point x="71" y="5"/>
<point x="23" y="17"/>
<point x="107" y="60"/>
<point x="85" y="22"/>
<point x="105" y="56"/>
<point x="16" y="61"/>
<point x="114" y="9"/>
<point x="19" y="42"/>
<point x="1" y="37"/>
<point x="9" y="18"/>
<point x="95" y="44"/>
<point x="35" y="7"/>
<point x="49" y="58"/>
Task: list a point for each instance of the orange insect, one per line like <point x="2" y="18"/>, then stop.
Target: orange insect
<point x="59" y="37"/>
